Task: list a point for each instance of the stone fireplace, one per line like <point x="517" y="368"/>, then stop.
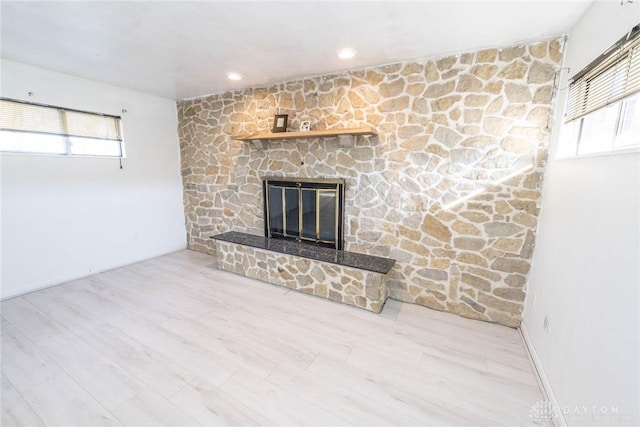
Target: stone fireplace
<point x="449" y="188"/>
<point x="305" y="210"/>
<point x="302" y="245"/>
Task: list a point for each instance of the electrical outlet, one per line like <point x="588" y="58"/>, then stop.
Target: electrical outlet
<point x="545" y="324"/>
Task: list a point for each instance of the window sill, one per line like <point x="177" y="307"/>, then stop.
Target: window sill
<point x="631" y="150"/>
<point x="61" y="156"/>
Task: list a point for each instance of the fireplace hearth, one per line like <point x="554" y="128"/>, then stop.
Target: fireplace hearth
<point x="302" y="246"/>
<point x="305" y="210"/>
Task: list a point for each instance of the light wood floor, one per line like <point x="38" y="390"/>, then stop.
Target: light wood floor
<point x="173" y="341"/>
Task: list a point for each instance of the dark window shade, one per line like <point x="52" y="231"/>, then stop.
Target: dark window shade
<point x="17" y="116"/>
<point x="611" y="77"/>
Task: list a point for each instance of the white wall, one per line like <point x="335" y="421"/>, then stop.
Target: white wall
<point x="585" y="274"/>
<point x="64" y="218"/>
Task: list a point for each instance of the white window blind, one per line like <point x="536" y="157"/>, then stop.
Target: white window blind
<point x="17" y="116"/>
<point x="611" y="77"/>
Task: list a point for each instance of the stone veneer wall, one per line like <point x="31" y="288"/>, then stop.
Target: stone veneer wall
<point x="449" y="188"/>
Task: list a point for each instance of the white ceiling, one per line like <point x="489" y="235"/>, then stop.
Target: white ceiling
<point x="184" y="49"/>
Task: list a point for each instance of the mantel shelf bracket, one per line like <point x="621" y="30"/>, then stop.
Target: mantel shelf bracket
<point x="260" y="144"/>
<point x="347" y="141"/>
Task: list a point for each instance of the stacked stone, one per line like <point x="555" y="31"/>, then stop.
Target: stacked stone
<point x="449" y="187"/>
<point x="348" y="285"/>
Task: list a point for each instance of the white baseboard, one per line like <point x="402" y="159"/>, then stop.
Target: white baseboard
<point x="541" y="376"/>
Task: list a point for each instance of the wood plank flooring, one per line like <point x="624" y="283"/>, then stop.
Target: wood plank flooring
<point x="174" y="341"/>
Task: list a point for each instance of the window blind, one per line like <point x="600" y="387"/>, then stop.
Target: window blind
<point x="19" y="116"/>
<point x="614" y="75"/>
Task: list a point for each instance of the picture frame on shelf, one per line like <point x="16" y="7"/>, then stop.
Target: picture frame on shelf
<point x="280" y="123"/>
<point x="305" y="126"/>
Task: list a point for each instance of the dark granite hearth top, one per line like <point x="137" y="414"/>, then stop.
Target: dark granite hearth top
<point x="349" y="259"/>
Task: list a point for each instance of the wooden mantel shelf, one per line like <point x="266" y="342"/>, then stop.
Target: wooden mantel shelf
<point x="346" y="136"/>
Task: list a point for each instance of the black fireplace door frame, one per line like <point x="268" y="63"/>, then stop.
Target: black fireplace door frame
<point x="295" y="229"/>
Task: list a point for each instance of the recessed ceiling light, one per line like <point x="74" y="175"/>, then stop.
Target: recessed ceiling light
<point x="346" y="53"/>
<point x="234" y="76"/>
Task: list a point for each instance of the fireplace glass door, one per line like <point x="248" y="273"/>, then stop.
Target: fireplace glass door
<point x="304" y="210"/>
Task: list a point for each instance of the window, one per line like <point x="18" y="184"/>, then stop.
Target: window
<point x="603" y="109"/>
<point x="43" y="129"/>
